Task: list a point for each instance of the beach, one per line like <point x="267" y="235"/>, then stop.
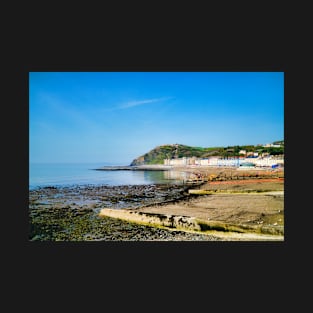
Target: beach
<point x="219" y="205"/>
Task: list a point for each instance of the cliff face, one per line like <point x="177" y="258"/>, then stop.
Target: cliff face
<point x="171" y="151"/>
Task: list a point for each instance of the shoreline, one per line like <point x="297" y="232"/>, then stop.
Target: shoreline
<point x="231" y="210"/>
<point x="73" y="213"/>
<point x="156" y="167"/>
<point x="203" y="174"/>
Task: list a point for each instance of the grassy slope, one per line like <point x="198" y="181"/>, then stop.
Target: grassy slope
<point x="158" y="154"/>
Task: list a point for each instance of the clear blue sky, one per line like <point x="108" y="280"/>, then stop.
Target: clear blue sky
<point x="117" y="116"/>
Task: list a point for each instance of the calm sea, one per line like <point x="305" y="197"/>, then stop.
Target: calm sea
<point x="61" y="174"/>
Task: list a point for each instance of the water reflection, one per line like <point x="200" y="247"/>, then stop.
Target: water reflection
<point x="176" y="175"/>
<point x="160" y="176"/>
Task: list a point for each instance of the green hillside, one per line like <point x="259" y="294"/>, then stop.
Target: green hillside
<point x="173" y="151"/>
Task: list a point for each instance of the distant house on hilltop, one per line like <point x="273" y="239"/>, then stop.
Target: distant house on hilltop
<point x="269" y="145"/>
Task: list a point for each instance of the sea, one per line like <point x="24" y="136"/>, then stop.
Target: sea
<point x="77" y="174"/>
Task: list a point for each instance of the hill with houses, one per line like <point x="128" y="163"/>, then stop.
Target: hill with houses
<point x="177" y="151"/>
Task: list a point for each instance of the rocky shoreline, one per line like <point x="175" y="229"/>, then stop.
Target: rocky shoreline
<point x="72" y="213"/>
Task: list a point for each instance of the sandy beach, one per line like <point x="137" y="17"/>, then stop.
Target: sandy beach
<point x="220" y="205"/>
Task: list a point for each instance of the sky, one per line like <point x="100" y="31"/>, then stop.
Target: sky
<point x="115" y="117"/>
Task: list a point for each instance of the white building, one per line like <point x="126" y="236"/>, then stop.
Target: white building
<point x="268" y="161"/>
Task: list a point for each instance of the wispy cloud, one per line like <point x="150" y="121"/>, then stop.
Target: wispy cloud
<point x="67" y="111"/>
<point x="135" y="103"/>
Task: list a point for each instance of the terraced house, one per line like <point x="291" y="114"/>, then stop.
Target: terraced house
<point x="256" y="161"/>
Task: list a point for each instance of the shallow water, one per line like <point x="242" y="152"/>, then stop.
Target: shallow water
<point x="66" y="174"/>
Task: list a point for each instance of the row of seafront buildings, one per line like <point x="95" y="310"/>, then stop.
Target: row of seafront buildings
<point x="253" y="161"/>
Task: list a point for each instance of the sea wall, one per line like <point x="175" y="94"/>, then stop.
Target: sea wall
<point x="165" y="220"/>
<point x="185" y="223"/>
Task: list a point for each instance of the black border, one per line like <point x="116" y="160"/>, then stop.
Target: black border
<point x="81" y="264"/>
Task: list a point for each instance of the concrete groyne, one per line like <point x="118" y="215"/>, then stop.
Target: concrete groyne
<point x="186" y="223"/>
